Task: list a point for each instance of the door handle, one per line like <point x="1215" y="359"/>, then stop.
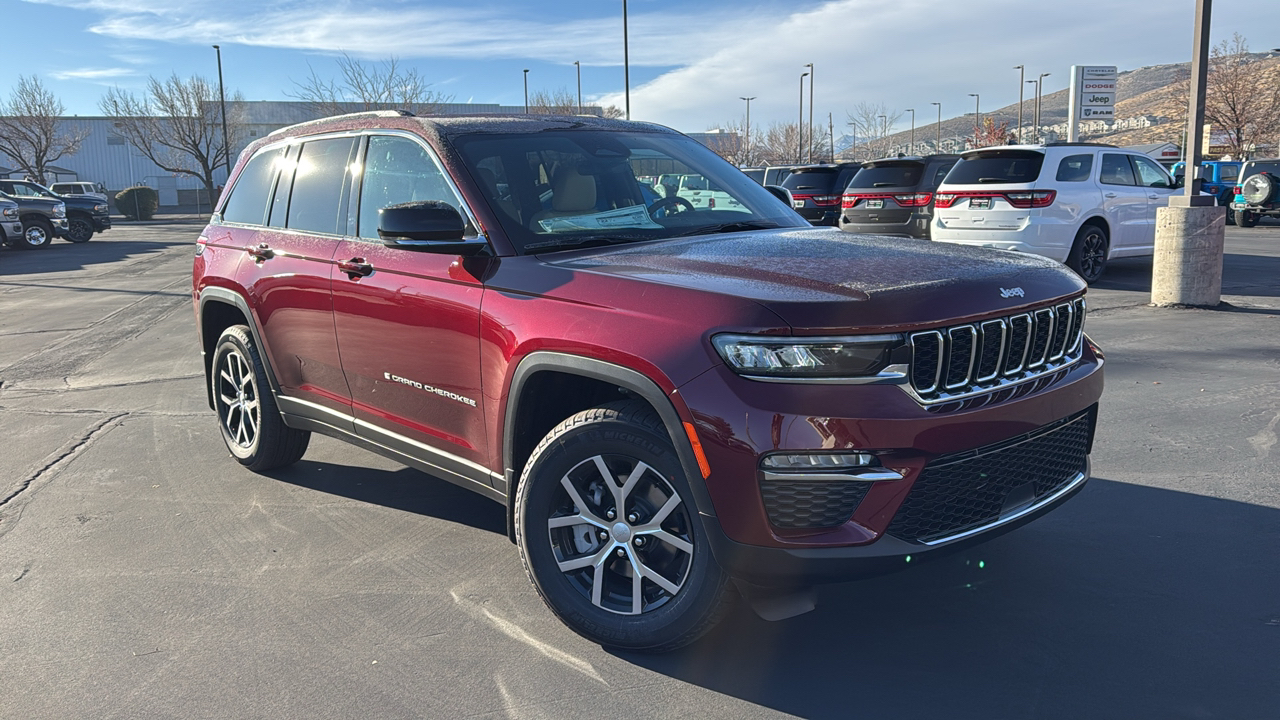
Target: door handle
<point x="355" y="267"/>
<point x="261" y="252"/>
<point x="1154" y="197"/>
<point x="1110" y="195"/>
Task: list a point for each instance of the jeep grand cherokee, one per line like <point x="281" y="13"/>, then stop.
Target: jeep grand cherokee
<point x="675" y="404"/>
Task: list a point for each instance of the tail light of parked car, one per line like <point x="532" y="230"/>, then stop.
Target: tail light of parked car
<point x="820" y="200"/>
<point x="903" y="200"/>
<point x="1022" y="200"/>
<point x="1237" y="189"/>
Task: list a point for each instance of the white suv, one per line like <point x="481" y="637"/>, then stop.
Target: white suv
<point x="1078" y="203"/>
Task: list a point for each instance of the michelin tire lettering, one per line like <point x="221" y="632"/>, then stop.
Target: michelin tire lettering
<point x="428" y="388"/>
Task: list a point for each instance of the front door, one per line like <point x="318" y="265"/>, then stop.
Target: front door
<point x="1158" y="186"/>
<point x="1124" y="202"/>
<point x="408" y="321"/>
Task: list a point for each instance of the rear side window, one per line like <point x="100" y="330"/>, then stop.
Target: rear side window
<point x="247" y="203"/>
<point x="997" y="167"/>
<point x="890" y="174"/>
<point x="1116" y="170"/>
<point x="1075" y="168"/>
<point x="1229" y="172"/>
<point x="810" y="181"/>
<point x="316" y="199"/>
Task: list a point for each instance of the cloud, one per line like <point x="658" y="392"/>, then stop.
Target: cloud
<point x="92" y="73"/>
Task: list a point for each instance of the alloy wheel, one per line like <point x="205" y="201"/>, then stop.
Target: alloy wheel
<point x="621" y="534"/>
<point x="237" y="396"/>
<point x="1093" y="254"/>
<point x="36" y="236"/>
<point x="79" y="230"/>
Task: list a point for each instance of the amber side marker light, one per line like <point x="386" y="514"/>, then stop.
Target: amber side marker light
<point x="703" y="465"/>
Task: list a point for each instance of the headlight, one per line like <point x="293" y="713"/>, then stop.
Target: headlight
<point x="100" y="208"/>
<point x="59" y="210"/>
<point x="819" y="357"/>
<point x="11" y="213"/>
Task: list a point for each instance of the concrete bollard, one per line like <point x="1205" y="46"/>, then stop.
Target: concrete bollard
<point x="1187" y="269"/>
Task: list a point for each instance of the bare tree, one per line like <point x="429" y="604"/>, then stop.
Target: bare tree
<point x="554" y="102"/>
<point x="31" y="132"/>
<point x="177" y="124"/>
<point x="1243" y="99"/>
<point x="368" y="86"/>
<point x="872" y="123"/>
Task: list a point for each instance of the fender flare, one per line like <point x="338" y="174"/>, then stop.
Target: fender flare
<point x="231" y="297"/>
<point x="623" y="377"/>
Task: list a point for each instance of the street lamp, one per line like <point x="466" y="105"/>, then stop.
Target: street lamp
<point x="626" y="60"/>
<point x="222" y="97"/>
<point x="811" y="74"/>
<point x="977" y="116"/>
<point x="526" y="91"/>
<point x="800" y="123"/>
<point x="578" y="65"/>
<point x="747" y="152"/>
<point x="1022" y="77"/>
<point x="1039" y="91"/>
<point x="912" y="150"/>
<point x="938" y="148"/>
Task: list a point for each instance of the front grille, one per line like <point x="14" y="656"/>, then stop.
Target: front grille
<point x="816" y="504"/>
<point x="959" y="492"/>
<point x="966" y="360"/>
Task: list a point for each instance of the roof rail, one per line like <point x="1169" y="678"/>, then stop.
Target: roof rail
<point x="345" y="116"/>
<point x="1082" y="144"/>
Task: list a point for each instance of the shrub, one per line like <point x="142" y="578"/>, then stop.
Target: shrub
<point x="138" y="203"/>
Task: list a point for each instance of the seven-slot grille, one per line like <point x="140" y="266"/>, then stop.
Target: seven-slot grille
<point x="963" y="360"/>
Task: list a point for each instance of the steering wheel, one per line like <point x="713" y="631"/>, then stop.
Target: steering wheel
<point x="667" y="204"/>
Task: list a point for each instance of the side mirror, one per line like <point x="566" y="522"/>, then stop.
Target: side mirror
<point x="428" y="226"/>
<point x="781" y="193"/>
<point x="1179" y="180"/>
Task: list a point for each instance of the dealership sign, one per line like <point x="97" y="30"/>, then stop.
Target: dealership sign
<point x="1092" y="95"/>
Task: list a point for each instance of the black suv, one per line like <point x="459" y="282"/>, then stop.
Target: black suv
<point x="84" y="215"/>
<point x="815" y="190"/>
<point x="894" y="196"/>
<point x="1258" y="194"/>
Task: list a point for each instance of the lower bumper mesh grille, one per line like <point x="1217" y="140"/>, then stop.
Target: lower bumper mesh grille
<point x="959" y="492"/>
<point x="811" y="504"/>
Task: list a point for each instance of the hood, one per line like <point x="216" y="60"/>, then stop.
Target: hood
<point x="829" y="281"/>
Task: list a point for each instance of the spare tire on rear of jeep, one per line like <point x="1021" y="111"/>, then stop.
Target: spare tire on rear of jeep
<point x="1258" y="189"/>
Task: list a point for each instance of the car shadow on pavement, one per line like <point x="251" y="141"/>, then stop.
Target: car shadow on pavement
<point x="67" y="257"/>
<point x="405" y="489"/>
<point x="1241" y="275"/>
<point x="1128" y="602"/>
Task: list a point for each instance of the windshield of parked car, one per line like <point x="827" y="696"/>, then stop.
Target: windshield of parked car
<point x="550" y="190"/>
<point x="996" y="167"/>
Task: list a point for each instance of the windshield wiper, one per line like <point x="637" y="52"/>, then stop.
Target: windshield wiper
<point x="738" y="226"/>
<point x="579" y="242"/>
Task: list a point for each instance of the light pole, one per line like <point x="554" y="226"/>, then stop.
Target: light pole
<point x="1022" y="78"/>
<point x="800" y="123"/>
<point x="578" y="65"/>
<point x="626" y="60"/>
<point x="977" y="116"/>
<point x="938" y="148"/>
<point x="1039" y="92"/>
<point x="811" y="74"/>
<point x="526" y="91"/>
<point x="748" y="131"/>
<point x="1036" y="121"/>
<point x="912" y="150"/>
<point x="222" y="98"/>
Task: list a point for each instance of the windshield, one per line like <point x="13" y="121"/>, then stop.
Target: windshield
<point x="557" y="190"/>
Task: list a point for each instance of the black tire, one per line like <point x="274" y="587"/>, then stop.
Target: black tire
<point x="1245" y="219"/>
<point x="1089" y="253"/>
<point x="79" y="230"/>
<point x="623" y="436"/>
<point x="248" y="416"/>
<point x="36" y="233"/>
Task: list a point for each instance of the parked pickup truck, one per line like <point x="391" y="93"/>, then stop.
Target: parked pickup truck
<point x="84" y="215"/>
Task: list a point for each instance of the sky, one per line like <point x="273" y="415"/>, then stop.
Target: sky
<point x="690" y="61"/>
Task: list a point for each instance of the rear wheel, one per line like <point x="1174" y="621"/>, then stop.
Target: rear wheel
<point x="1245" y="219"/>
<point x="247" y="414"/>
<point x="1089" y="253"/>
<point x="609" y="536"/>
<point x="79" y="230"/>
<point x="36" y="233"/>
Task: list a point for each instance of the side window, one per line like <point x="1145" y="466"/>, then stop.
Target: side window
<point x="1151" y="174"/>
<point x="399" y="170"/>
<point x="248" y="200"/>
<point x="1229" y="172"/>
<point x="1075" y="168"/>
<point x="1116" y="170"/>
<point x="316" y="199"/>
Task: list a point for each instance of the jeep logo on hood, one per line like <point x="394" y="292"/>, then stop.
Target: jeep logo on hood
<point x="1012" y="292"/>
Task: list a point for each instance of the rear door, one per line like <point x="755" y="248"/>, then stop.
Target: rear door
<point x="1124" y="202"/>
<point x="289" y="239"/>
<point x="408" y="321"/>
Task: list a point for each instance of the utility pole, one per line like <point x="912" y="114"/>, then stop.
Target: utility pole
<point x="526" y="91"/>
<point x="626" y="60"/>
<point x="912" y="149"/>
<point x="977" y="116"/>
<point x="1039" y="93"/>
<point x="800" y="123"/>
<point x="810" y="148"/>
<point x="749" y="159"/>
<point x="938" y="147"/>
<point x="831" y="133"/>
<point x="577" y="64"/>
<point x="1022" y="81"/>
<point x="222" y="98"/>
<point x="1187" y="267"/>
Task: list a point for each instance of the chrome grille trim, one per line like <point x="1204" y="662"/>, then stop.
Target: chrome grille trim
<point x="1052" y="339"/>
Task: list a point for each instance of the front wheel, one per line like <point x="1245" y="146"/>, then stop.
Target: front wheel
<point x="609" y="536"/>
<point x="247" y="414"/>
<point x="79" y="230"/>
<point x="1245" y="219"/>
<point x="1089" y="253"/>
<point x="36" y="233"/>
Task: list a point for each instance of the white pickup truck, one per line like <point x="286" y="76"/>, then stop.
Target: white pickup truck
<point x="698" y="191"/>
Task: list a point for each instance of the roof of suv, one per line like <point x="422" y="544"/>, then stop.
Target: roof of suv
<point x="454" y="125"/>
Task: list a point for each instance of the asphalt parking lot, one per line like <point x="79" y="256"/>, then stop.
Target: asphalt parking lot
<point x="144" y="574"/>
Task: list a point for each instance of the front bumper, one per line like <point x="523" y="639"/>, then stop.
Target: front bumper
<point x="916" y="226"/>
<point x="60" y="226"/>
<point x="9" y="230"/>
<point x="101" y="222"/>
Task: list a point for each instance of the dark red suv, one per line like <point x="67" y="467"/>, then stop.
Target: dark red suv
<point x="676" y="404"/>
